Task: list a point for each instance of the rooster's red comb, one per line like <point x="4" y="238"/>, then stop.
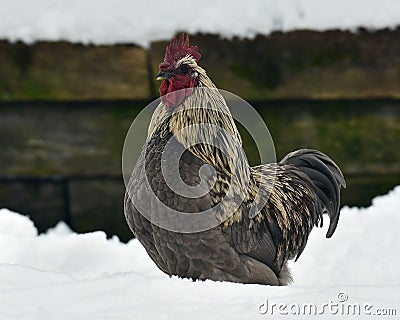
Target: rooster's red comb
<point x="176" y="50"/>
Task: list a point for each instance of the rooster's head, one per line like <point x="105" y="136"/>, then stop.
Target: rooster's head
<point x="179" y="71"/>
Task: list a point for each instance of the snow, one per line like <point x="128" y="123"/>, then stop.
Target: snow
<point x="64" y="275"/>
<point x="140" y="22"/>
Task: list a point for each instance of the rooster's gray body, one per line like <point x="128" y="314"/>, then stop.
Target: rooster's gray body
<point x="242" y="247"/>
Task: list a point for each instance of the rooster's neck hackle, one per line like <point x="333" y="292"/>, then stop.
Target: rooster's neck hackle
<point x="208" y="119"/>
<point x="206" y="113"/>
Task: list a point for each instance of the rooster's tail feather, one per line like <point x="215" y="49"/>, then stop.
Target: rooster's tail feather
<point x="327" y="180"/>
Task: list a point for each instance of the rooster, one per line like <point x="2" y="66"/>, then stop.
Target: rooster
<point x="243" y="246"/>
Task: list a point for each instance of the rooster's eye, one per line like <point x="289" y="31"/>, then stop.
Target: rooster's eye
<point x="184" y="69"/>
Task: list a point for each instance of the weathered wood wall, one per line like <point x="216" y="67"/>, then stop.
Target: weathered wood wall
<point x="301" y="64"/>
<point x="86" y="139"/>
<point x="356" y="120"/>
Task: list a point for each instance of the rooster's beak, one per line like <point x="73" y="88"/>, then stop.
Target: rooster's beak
<point x="162" y="75"/>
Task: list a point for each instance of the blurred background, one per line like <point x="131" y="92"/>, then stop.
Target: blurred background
<point x="73" y="77"/>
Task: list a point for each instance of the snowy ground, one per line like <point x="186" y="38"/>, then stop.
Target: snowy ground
<point x="106" y="21"/>
<point x="64" y="275"/>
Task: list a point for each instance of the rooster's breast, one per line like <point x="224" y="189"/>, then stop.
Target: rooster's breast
<point x="193" y="255"/>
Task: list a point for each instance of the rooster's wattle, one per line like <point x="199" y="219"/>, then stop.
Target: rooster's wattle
<point x="242" y="246"/>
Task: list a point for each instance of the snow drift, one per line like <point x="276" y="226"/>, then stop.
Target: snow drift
<point x="140" y="22"/>
<point x="64" y="275"/>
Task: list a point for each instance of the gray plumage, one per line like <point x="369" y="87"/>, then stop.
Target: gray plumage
<point x="242" y="248"/>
